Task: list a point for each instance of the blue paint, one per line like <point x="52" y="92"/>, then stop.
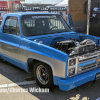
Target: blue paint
<point x="55" y="80"/>
<point x="15" y="62"/>
<point x="83" y="64"/>
<point x="43" y="50"/>
<point x="70" y="83"/>
<point x="70" y="21"/>
<point x="32" y="44"/>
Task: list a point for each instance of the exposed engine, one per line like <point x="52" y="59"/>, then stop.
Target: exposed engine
<point x="73" y="47"/>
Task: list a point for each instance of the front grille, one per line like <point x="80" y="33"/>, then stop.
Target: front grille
<point x="88" y="59"/>
<point x="94" y="56"/>
<point x="88" y="66"/>
<point x="88" y="56"/>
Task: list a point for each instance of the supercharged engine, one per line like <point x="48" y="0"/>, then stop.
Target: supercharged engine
<point x="73" y="47"/>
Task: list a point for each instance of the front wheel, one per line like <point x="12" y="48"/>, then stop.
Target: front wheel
<point x="43" y="75"/>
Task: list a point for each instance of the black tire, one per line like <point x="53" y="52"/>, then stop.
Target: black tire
<point x="49" y="83"/>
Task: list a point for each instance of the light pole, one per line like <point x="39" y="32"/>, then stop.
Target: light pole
<point x="88" y="16"/>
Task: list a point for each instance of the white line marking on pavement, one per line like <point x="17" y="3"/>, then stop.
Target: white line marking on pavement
<point x="17" y="84"/>
<point x="98" y="98"/>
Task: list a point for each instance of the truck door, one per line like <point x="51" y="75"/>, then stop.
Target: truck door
<point x="10" y="41"/>
<point x="70" y="21"/>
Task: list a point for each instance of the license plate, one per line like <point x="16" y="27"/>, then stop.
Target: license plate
<point x="97" y="75"/>
<point x="98" y="60"/>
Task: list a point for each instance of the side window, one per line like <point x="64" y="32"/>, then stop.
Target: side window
<point x="11" y="26"/>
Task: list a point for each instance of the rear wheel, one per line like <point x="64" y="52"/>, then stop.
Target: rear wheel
<point x="43" y="75"/>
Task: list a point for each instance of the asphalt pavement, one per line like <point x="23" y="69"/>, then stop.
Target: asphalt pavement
<point x="12" y="77"/>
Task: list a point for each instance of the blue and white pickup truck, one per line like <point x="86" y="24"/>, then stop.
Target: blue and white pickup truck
<point x="45" y="45"/>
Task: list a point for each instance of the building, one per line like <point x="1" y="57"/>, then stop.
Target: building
<point x="77" y="11"/>
<point x="9" y="4"/>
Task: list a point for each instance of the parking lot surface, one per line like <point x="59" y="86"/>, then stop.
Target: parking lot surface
<point x="13" y="77"/>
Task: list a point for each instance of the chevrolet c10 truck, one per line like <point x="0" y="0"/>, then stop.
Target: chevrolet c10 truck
<point x="45" y="45"/>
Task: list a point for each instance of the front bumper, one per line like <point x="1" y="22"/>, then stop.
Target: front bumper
<point x="75" y="81"/>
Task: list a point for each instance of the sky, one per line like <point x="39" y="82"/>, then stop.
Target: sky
<point x="43" y="1"/>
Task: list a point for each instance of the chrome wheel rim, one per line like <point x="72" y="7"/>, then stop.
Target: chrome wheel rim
<point x="42" y="74"/>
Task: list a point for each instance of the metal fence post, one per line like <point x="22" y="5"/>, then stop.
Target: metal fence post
<point x="12" y="7"/>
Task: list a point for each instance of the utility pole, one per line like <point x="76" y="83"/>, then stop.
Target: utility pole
<point x="88" y="16"/>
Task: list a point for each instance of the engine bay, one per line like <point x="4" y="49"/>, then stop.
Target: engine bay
<point x="74" y="47"/>
<point x="71" y="44"/>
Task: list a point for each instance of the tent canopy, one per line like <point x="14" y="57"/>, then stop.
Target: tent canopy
<point x="63" y="3"/>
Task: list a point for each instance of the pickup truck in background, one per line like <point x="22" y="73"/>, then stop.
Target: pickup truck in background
<point x="45" y="45"/>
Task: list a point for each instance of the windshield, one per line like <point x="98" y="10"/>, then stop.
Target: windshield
<point x="43" y="24"/>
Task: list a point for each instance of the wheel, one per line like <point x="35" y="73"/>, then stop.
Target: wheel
<point x="43" y="75"/>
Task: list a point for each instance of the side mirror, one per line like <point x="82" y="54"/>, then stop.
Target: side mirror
<point x="70" y="21"/>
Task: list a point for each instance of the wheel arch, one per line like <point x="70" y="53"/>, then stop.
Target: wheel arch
<point x="32" y="60"/>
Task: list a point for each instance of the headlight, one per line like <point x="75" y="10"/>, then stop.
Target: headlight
<point x="72" y="62"/>
<point x="71" y="71"/>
